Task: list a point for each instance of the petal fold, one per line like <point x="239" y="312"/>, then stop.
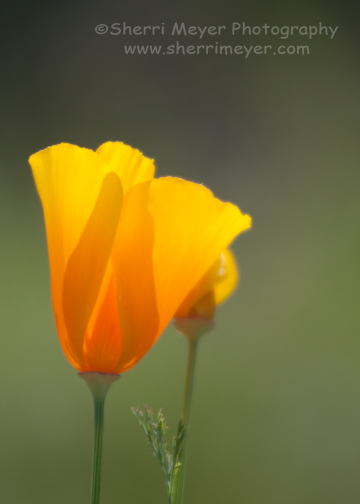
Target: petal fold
<point x="132" y="261"/>
<point x="131" y="166"/>
<point x="87" y="264"/>
<point x="102" y="344"/>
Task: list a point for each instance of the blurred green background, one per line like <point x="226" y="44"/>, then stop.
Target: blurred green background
<point x="276" y="413"/>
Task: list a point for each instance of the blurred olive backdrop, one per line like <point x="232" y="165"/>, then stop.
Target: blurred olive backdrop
<point x="276" y="414"/>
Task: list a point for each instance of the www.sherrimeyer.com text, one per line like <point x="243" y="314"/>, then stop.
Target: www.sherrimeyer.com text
<point x="246" y="51"/>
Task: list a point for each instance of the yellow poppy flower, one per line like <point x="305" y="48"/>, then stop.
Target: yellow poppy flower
<point x="213" y="288"/>
<point x="124" y="249"/>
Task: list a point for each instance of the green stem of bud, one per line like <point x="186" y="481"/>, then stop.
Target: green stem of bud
<point x="179" y="486"/>
<point x="192" y="328"/>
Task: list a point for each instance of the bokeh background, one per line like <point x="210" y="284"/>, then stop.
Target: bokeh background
<point x="276" y="410"/>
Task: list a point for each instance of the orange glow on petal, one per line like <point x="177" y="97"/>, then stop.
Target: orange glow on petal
<point x="86" y="267"/>
<point x="102" y="344"/>
<point x="132" y="260"/>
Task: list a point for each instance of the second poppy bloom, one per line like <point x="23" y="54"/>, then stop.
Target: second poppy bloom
<point x="125" y="249"/>
<point x="213" y="288"/>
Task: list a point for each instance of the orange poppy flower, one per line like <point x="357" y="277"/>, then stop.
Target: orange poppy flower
<point x="124" y="249"/>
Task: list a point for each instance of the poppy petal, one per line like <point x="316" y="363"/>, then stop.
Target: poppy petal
<point x="227" y="277"/>
<point x="87" y="264"/>
<point x="131" y="166"/>
<point x="102" y="344"/>
<point x="202" y="289"/>
<point x="184" y="229"/>
<point x="68" y="179"/>
<point x="132" y="260"/>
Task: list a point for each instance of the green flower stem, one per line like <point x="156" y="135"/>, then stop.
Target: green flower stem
<point x="189" y="384"/>
<point x="192" y="328"/>
<point x="98" y="439"/>
<point x="99" y="384"/>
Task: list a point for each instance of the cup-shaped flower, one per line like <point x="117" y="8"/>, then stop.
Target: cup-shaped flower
<point x="124" y="249"/>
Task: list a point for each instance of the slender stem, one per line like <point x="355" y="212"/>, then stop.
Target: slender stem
<point x="98" y="439"/>
<point x="99" y="384"/>
<point x="189" y="381"/>
<point x="179" y="489"/>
